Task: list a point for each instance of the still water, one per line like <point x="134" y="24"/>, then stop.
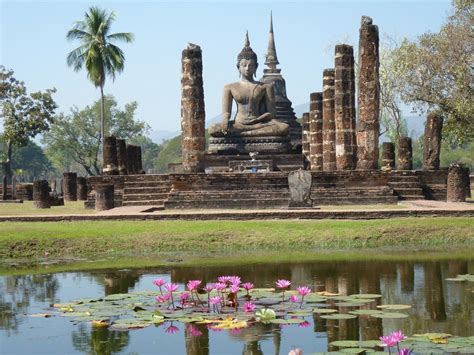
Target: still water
<point x="437" y="306"/>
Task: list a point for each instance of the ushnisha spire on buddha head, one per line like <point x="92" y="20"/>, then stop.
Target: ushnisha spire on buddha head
<point x="247" y="52"/>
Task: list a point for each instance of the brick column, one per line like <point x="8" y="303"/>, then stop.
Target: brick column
<point x="388" y="156"/>
<point x="193" y="116"/>
<point x="405" y="154"/>
<point x="344" y="108"/>
<point x="122" y="156"/>
<point x="432" y="141"/>
<point x="305" y="136"/>
<point x="110" y="165"/>
<point x="369" y="96"/>
<point x="456" y="184"/>
<point x="70" y="186"/>
<point x="329" y="128"/>
<point x="316" y="131"/>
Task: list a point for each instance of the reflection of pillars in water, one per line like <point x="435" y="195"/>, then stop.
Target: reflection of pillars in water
<point x="434" y="294"/>
<point x="331" y="284"/>
<point x="370" y="328"/>
<point x="252" y="348"/>
<point x="301" y="276"/>
<point x="319" y="323"/>
<point x="348" y="285"/>
<point x="197" y="339"/>
<point x="457" y="268"/>
<point x="342" y="330"/>
<point x="407" y="276"/>
<point x="276" y="340"/>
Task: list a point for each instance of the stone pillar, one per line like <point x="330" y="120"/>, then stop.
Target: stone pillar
<point x="193" y="115"/>
<point x="405" y="154"/>
<point x="369" y="96"/>
<point x="138" y="157"/>
<point x="122" y="156"/>
<point x="41" y="197"/>
<point x="81" y="189"/>
<point x="432" y="141"/>
<point x="467" y="180"/>
<point x="329" y="128"/>
<point x="305" y="136"/>
<point x="131" y="160"/>
<point x="4" y="187"/>
<point x="344" y="108"/>
<point x="316" y="131"/>
<point x="53" y="185"/>
<point x="70" y="186"/>
<point x="104" y="197"/>
<point x="458" y="183"/>
<point x="14" y="187"/>
<point x="110" y="163"/>
<point x="388" y="156"/>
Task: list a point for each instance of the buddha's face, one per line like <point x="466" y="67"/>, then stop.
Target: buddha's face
<point x="247" y="68"/>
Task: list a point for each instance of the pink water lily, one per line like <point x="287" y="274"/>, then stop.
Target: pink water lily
<point x="304" y="324"/>
<point x="184" y="297"/>
<point x="235" y="280"/>
<point x="293" y="299"/>
<point x="405" y="351"/>
<point x="303" y="291"/>
<point x="215" y="300"/>
<point x="193" y="285"/>
<point x="398" y="336"/>
<point x="194" y="331"/>
<point x="388" y="340"/>
<point x="163" y="298"/>
<point x="159" y="283"/>
<point x="220" y="286"/>
<point x="171" y="287"/>
<point x="171" y="329"/>
<point x="247" y="286"/>
<point x="234" y="289"/>
<point x="283" y="283"/>
<point x="209" y="287"/>
<point x="223" y="279"/>
<point x="249" y="307"/>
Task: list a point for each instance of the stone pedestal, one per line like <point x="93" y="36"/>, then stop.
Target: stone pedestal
<point x="41" y="197"/>
<point x="405" y="154"/>
<point x="329" y="127"/>
<point x="432" y="141"/>
<point x="245" y="145"/>
<point x="104" y="197"/>
<point x="369" y="96"/>
<point x="305" y="135"/>
<point x="4" y="187"/>
<point x="251" y="166"/>
<point x="134" y="160"/>
<point x="316" y="131"/>
<point x="70" y="186"/>
<point x="192" y="109"/>
<point x="456" y="184"/>
<point x="110" y="163"/>
<point x="299" y="182"/>
<point x="388" y="156"/>
<point x="81" y="189"/>
<point x="122" y="156"/>
<point x="344" y="108"/>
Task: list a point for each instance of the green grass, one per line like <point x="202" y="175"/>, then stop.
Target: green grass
<point x="27" y="209"/>
<point x="99" y="239"/>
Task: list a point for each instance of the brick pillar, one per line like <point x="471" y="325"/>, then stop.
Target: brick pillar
<point x="131" y="160"/>
<point x="305" y="136"/>
<point x="41" y="197"/>
<point x="344" y="108"/>
<point x="110" y="163"/>
<point x="432" y="141"/>
<point x="122" y="156"/>
<point x="193" y="141"/>
<point x="369" y="96"/>
<point x="405" y="153"/>
<point x="4" y="187"/>
<point x="70" y="186"/>
<point x="329" y="128"/>
<point x="81" y="189"/>
<point x="388" y="156"/>
<point x="316" y="131"/>
<point x="456" y="183"/>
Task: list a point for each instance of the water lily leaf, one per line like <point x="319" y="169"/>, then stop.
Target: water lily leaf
<point x="354" y="350"/>
<point x="434" y="335"/>
<point x="40" y="315"/>
<point x="369" y="343"/>
<point x="326" y="293"/>
<point x="348" y="304"/>
<point x="367" y="295"/>
<point x="100" y="323"/>
<point x="342" y="298"/>
<point x="286" y="321"/>
<point x="231" y="324"/>
<point x="301" y="312"/>
<point x="125" y="324"/>
<point x="324" y="310"/>
<point x="313" y="298"/>
<point x="76" y="314"/>
<point x="389" y="315"/>
<point x="339" y="316"/>
<point x="117" y="296"/>
<point x="365" y="312"/>
<point x="266" y="314"/>
<point x="345" y="343"/>
<point x="394" y="307"/>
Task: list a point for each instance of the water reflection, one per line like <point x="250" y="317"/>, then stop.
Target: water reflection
<point x="437" y="306"/>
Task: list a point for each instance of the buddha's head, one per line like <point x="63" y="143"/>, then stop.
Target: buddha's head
<point x="247" y="60"/>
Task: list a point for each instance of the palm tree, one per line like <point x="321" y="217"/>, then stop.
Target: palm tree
<point x="97" y="52"/>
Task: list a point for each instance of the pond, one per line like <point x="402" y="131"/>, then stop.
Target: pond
<point x="437" y="305"/>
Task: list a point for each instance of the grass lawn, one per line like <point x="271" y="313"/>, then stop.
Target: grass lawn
<point x="99" y="239"/>
<point x="26" y="209"/>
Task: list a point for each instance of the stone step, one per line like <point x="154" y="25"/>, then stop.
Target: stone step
<point x="418" y="191"/>
<point x="227" y="203"/>
<point x="146" y="184"/>
<point x="146" y="190"/>
<point x="395" y="178"/>
<point x="403" y="184"/>
<point x="158" y="203"/>
<point x="144" y="177"/>
<point x="353" y="200"/>
<point x="411" y="197"/>
<point x="143" y="197"/>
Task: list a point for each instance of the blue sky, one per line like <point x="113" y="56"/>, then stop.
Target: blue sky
<point x="33" y="44"/>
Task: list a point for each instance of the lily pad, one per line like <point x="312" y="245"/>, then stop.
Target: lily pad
<point x="348" y="304"/>
<point x="345" y="343"/>
<point x="286" y="321"/>
<point x="354" y="350"/>
<point x="365" y="312"/>
<point x="394" y="307"/>
<point x="389" y="315"/>
<point x="324" y="310"/>
<point x="367" y="295"/>
<point x="339" y="316"/>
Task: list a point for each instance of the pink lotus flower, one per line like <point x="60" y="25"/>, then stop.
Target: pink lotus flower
<point x="223" y="279"/>
<point x="193" y="331"/>
<point x="184" y="297"/>
<point x="293" y="299"/>
<point x="159" y="282"/>
<point x="388" y="340"/>
<point x="215" y="300"/>
<point x="235" y="280"/>
<point x="235" y="331"/>
<point x="404" y="351"/>
<point x="163" y="298"/>
<point x="303" y="290"/>
<point x="171" y="287"/>
<point x="249" y="307"/>
<point x="283" y="284"/>
<point x="304" y="324"/>
<point x="209" y="287"/>
<point x="171" y="329"/>
<point x="193" y="285"/>
<point x="398" y="336"/>
<point x="247" y="286"/>
<point x="220" y="286"/>
<point x="234" y="289"/>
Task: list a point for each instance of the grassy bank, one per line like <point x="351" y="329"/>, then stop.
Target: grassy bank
<point x="104" y="239"/>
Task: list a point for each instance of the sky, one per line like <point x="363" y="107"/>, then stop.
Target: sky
<point x="34" y="45"/>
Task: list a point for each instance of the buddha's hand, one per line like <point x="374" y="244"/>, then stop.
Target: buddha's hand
<point x="260" y="119"/>
<point x="225" y="127"/>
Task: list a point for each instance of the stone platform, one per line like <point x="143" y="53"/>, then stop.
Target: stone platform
<point x="269" y="190"/>
<point x="217" y="163"/>
<point x="245" y="145"/>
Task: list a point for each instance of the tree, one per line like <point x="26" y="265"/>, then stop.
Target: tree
<point x="150" y="151"/>
<point x="436" y="71"/>
<point x="75" y="138"/>
<point x="97" y="52"/>
<point x="24" y="115"/>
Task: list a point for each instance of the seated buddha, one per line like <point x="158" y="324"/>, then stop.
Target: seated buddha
<point x="255" y="101"/>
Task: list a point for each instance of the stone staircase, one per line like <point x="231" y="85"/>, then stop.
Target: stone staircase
<point x="353" y="196"/>
<point x="406" y="185"/>
<point x="145" y="190"/>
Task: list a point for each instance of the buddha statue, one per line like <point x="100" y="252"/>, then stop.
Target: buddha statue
<point x="255" y="101"/>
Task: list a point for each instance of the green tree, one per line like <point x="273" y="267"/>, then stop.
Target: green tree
<point x="74" y="139"/>
<point x="24" y="115"/>
<point x="170" y="153"/>
<point x="436" y="71"/>
<point x="150" y="151"/>
<point x="97" y="52"/>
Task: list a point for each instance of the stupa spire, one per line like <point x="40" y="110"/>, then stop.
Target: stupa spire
<point x="271" y="59"/>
